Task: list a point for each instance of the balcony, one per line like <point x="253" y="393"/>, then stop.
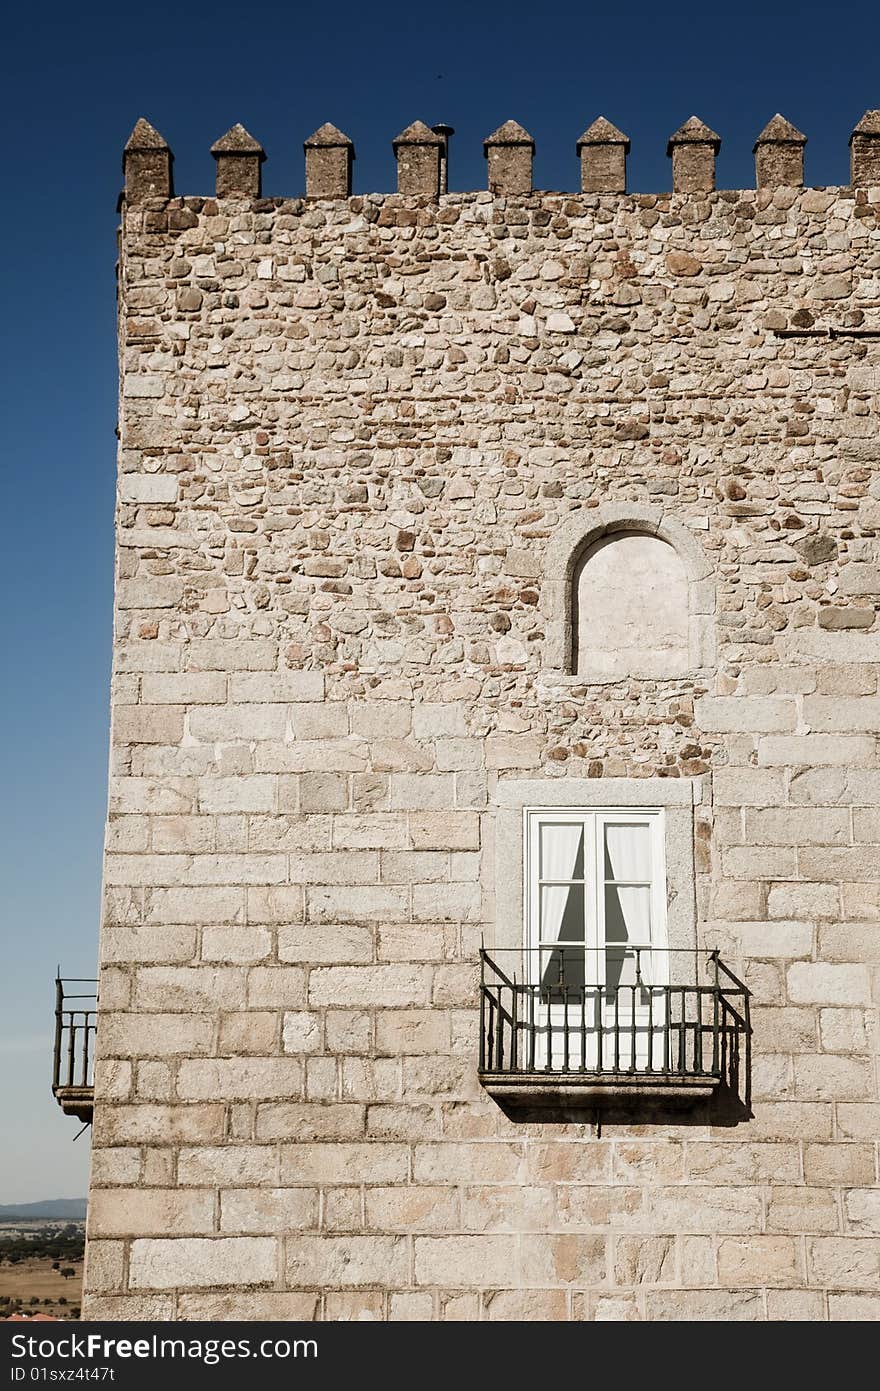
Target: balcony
<point x="550" y="1041"/>
<point x="73" y="1056"/>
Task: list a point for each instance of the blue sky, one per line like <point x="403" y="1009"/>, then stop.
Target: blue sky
<point x="75" y="79"/>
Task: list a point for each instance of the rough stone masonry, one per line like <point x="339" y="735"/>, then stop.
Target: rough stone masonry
<point x="359" y="437"/>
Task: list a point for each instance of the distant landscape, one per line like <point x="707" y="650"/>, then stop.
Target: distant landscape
<point x="41" y="1257"/>
<point x="74" y="1209"/>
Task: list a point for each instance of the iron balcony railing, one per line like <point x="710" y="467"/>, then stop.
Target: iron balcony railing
<point x="668" y="1018"/>
<point x="73" y="1055"/>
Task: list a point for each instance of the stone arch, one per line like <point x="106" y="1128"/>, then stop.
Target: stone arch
<point x="586" y="534"/>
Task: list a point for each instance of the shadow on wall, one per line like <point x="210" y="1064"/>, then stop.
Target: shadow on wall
<point x="726" y="1108"/>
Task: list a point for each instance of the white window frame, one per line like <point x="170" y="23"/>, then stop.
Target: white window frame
<point x="631" y="1020"/>
<point x="594" y="821"/>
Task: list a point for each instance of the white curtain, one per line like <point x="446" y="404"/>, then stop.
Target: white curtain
<point x="561" y="847"/>
<point x="627" y="852"/>
<point x="627" y="906"/>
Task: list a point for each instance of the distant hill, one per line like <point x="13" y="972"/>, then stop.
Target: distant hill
<point x="72" y="1208"/>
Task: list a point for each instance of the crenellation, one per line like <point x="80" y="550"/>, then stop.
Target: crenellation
<point x="509" y="152"/>
<point x="418" y="151"/>
<point x="422" y="155"/>
<point x="602" y="151"/>
<point x="692" y="149"/>
<point x="779" y="155"/>
<point x="239" y="159"/>
<point x="329" y="156"/>
<point x="864" y="145"/>
<point x="146" y="165"/>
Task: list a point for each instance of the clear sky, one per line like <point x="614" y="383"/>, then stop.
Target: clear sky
<point x="74" y="80"/>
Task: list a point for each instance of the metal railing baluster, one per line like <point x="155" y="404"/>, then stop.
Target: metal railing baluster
<point x="566" y="1057"/>
<point x="682" y="1033"/>
<point x="650" y="1067"/>
<point x="85" y="1052"/>
<point x="715" y="1012"/>
<point x="71" y="1043"/>
<point x="482" y="1012"/>
<point x="583" y="1028"/>
<point x="549" y="1063"/>
<point x="531" y="1031"/>
<point x="59" y="1030"/>
<point x="667" y="1026"/>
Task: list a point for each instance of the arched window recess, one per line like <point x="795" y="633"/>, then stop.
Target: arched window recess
<point x="628" y="593"/>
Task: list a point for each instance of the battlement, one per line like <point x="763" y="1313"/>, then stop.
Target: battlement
<point x="422" y="155"/>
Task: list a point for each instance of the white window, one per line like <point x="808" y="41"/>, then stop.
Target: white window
<point x="595" y="935"/>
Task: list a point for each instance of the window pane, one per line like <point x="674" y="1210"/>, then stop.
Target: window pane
<point x="620" y="969"/>
<point x="627" y="851"/>
<point x="628" y="914"/>
<point x="562" y="973"/>
<point x="562" y="913"/>
<point x="562" y="851"/>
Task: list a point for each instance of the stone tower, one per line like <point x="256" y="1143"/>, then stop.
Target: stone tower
<point x="492" y="881"/>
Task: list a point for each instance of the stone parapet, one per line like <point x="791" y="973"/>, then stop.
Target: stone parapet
<point x="422" y="154"/>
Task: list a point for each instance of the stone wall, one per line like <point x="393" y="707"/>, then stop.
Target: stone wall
<point x="351" y="433"/>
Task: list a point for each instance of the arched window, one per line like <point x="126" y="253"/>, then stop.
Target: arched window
<point x="627" y="593"/>
<point x="629" y="609"/>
